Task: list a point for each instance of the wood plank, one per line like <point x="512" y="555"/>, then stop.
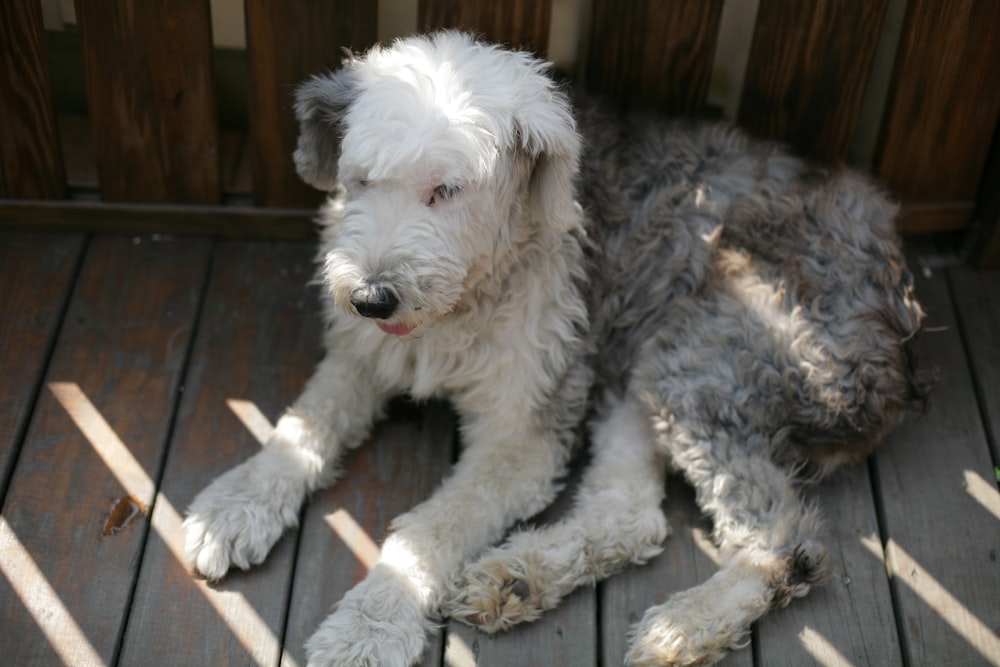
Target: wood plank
<point x="943" y="103"/>
<point x="234" y="220"/>
<point x="688" y="559"/>
<point x="236" y="178"/>
<point x="103" y="217"/>
<point x="655" y="53"/>
<point x="96" y="442"/>
<point x="286" y="42"/>
<point x="987" y="215"/>
<point x="148" y="70"/>
<point x="520" y="24"/>
<point x="566" y="636"/>
<point x="36" y="279"/>
<point x="849" y="621"/>
<point x="808" y="70"/>
<point x="942" y="217"/>
<point x="257" y="341"/>
<point x="404" y="461"/>
<point x="977" y="298"/>
<point x="80" y="154"/>
<point x="940" y="506"/>
<point x="31" y="163"/>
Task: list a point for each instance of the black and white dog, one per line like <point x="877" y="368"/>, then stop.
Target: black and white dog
<point x="701" y="300"/>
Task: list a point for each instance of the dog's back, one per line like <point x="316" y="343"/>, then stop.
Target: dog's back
<point x="782" y="280"/>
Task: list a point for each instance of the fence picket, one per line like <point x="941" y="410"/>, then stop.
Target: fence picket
<point x="654" y="53"/>
<point x="808" y="70"/>
<point x="519" y="24"/>
<point x="286" y="42"/>
<point x="31" y="163"/>
<point x="148" y="70"/>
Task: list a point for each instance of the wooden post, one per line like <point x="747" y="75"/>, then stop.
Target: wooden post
<point x="807" y="72"/>
<point x="517" y="24"/>
<point x="31" y="163"/>
<point x="944" y="103"/>
<point x="654" y="53"/>
<point x="148" y="67"/>
<point x="286" y="42"/>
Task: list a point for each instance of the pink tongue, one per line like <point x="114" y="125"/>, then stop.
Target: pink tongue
<point x="394" y="329"/>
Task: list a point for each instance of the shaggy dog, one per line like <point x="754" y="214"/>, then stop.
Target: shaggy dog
<point x="700" y="299"/>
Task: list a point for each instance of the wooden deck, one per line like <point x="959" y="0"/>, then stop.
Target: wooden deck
<point x="135" y="369"/>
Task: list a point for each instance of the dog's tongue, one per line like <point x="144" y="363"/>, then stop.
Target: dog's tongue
<point x="394" y="329"/>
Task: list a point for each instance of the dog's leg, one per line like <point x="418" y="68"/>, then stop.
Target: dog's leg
<point x="616" y="520"/>
<point x="241" y="514"/>
<point x="506" y="473"/>
<point x="767" y="543"/>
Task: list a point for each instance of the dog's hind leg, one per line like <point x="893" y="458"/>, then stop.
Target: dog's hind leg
<point x="766" y="535"/>
<point x="616" y="520"/>
<point x="241" y="514"/>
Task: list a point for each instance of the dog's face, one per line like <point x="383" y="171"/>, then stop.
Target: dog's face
<point x="449" y="159"/>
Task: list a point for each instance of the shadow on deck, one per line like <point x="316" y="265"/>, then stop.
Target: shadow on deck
<point x="134" y="370"/>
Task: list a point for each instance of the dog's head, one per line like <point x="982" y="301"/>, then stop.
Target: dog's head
<point x="451" y="154"/>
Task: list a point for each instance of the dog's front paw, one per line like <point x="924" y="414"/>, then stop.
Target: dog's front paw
<point x="238" y="517"/>
<point x="378" y="624"/>
<point x="500" y="591"/>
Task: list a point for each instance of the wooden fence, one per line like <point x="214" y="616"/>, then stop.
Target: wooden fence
<point x="153" y="115"/>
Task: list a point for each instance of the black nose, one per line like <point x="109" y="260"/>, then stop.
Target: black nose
<point x="376" y="301"/>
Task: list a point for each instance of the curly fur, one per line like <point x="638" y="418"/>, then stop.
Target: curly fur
<point x="701" y="299"/>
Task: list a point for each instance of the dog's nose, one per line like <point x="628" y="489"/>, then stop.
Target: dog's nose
<point x="375" y="301"/>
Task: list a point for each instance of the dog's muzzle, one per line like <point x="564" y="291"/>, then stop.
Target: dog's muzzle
<point x="375" y="301"/>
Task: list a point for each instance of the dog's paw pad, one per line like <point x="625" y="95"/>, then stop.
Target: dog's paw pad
<point x="796" y="574"/>
<point x="493" y="599"/>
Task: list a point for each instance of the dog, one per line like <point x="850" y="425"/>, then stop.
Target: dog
<point x="680" y="294"/>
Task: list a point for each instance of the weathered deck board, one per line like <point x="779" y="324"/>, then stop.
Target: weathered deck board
<point x="850" y="619"/>
<point x="941" y="507"/>
<point x="688" y="559"/>
<point x="975" y="295"/>
<point x="563" y="637"/>
<point x="404" y="461"/>
<point x="96" y="441"/>
<point x="566" y="635"/>
<point x="36" y="278"/>
<point x="935" y="500"/>
<point x="256" y="343"/>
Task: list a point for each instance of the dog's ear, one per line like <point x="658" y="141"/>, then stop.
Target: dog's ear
<point x="547" y="132"/>
<point x="320" y="105"/>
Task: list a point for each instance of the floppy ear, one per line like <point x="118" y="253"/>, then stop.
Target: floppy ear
<point x="548" y="134"/>
<point x="320" y="105"/>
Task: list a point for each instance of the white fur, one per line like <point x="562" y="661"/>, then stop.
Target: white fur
<point x="457" y="263"/>
<point x="616" y="520"/>
<point x="473" y="339"/>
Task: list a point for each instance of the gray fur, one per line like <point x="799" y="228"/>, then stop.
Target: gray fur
<point x="320" y="104"/>
<point x="662" y="303"/>
<point x="695" y="297"/>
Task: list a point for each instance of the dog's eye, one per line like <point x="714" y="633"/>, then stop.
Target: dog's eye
<point x="443" y="192"/>
<point x="363" y="183"/>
